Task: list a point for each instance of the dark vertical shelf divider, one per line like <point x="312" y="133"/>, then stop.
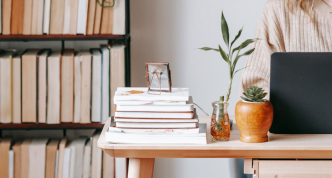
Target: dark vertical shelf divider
<point x="123" y="39"/>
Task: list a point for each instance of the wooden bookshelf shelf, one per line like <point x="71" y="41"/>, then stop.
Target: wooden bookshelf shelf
<point x="60" y="37"/>
<point x="51" y="126"/>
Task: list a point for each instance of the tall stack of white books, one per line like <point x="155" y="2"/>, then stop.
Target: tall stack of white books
<point x="155" y="117"/>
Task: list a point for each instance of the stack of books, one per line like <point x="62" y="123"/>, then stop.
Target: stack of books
<point x="145" y="117"/>
<point x="68" y="17"/>
<point x="58" y="158"/>
<point x="53" y="87"/>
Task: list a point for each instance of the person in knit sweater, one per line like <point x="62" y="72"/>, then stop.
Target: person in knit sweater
<point x="287" y="26"/>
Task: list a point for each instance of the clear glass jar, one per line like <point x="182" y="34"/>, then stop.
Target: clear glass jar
<point x="220" y="126"/>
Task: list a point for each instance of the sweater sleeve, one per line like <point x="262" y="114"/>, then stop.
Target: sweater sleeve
<point x="257" y="71"/>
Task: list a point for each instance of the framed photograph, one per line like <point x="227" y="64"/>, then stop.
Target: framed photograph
<point x="158" y="77"/>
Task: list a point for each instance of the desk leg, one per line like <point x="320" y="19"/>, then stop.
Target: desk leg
<point x="141" y="167"/>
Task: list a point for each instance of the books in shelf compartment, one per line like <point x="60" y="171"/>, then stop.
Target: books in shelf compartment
<point x="38" y="17"/>
<point x="52" y="158"/>
<point x="59" y="87"/>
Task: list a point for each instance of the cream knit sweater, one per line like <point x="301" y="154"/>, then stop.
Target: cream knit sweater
<point x="283" y="31"/>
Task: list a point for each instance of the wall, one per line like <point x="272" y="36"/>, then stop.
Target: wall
<point x="171" y="31"/>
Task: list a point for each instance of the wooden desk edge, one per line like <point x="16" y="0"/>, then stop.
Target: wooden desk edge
<point x="102" y="144"/>
<point x="208" y="153"/>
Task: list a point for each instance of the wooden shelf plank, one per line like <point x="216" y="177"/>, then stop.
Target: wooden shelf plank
<point x="51" y="126"/>
<point x="58" y="37"/>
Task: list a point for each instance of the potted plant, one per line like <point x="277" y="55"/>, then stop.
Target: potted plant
<point x="254" y="115"/>
<point x="219" y="121"/>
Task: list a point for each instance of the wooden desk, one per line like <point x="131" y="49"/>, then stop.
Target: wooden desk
<point x="279" y="147"/>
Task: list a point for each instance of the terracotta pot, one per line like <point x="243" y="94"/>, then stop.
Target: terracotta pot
<point x="254" y="120"/>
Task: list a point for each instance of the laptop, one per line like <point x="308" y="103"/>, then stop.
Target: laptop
<point x="301" y="93"/>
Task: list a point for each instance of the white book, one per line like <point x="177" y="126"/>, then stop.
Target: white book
<point x="82" y="16"/>
<point x="150" y="125"/>
<point x="53" y="88"/>
<point x="108" y="166"/>
<point x="47" y="15"/>
<point x="96" y="160"/>
<point x="17" y="89"/>
<point x="76" y="161"/>
<point x="62" y="147"/>
<point x="67" y="86"/>
<point x="151" y="107"/>
<point x="142" y="131"/>
<point x="165" y="137"/>
<point x="130" y="93"/>
<point x="66" y="21"/>
<point x="42" y="86"/>
<point x="37" y="17"/>
<point x="157" y="120"/>
<point x="72" y="160"/>
<point x="77" y="88"/>
<point x="87" y="160"/>
<point x="11" y="164"/>
<point x="121" y="167"/>
<point x="152" y="103"/>
<point x="56" y="164"/>
<point x="117" y="71"/>
<point x="96" y="86"/>
<point x="66" y="162"/>
<point x="40" y="17"/>
<point x="119" y="17"/>
<point x="85" y="110"/>
<point x="105" y="83"/>
<point x="37" y="154"/>
<point x="154" y="115"/>
<point x="185" y="108"/>
<point x="6" y="88"/>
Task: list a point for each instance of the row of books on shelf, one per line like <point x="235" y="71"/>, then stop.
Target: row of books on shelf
<point x="37" y="17"/>
<point x="145" y="117"/>
<point x="58" y="158"/>
<point x="45" y="86"/>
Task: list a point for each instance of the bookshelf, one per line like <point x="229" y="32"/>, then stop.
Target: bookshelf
<point x="51" y="126"/>
<point x="120" y="39"/>
<point x="60" y="37"/>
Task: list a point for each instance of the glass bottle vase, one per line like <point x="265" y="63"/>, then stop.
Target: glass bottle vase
<point x="220" y="126"/>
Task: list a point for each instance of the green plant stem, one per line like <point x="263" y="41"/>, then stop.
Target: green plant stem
<point x="229" y="89"/>
<point x="221" y="113"/>
<point x="231" y="73"/>
<point x="230" y="76"/>
<point x="221" y="109"/>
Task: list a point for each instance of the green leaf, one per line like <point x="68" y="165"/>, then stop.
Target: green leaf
<point x="224" y="56"/>
<point x="260" y="100"/>
<point x="264" y="94"/>
<point x="237" y="36"/>
<point x="239" y="70"/>
<point x="245" y="99"/>
<point x="224" y="29"/>
<point x="239" y="56"/>
<point x="248" y="52"/>
<point x="208" y="49"/>
<point x="245" y="44"/>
